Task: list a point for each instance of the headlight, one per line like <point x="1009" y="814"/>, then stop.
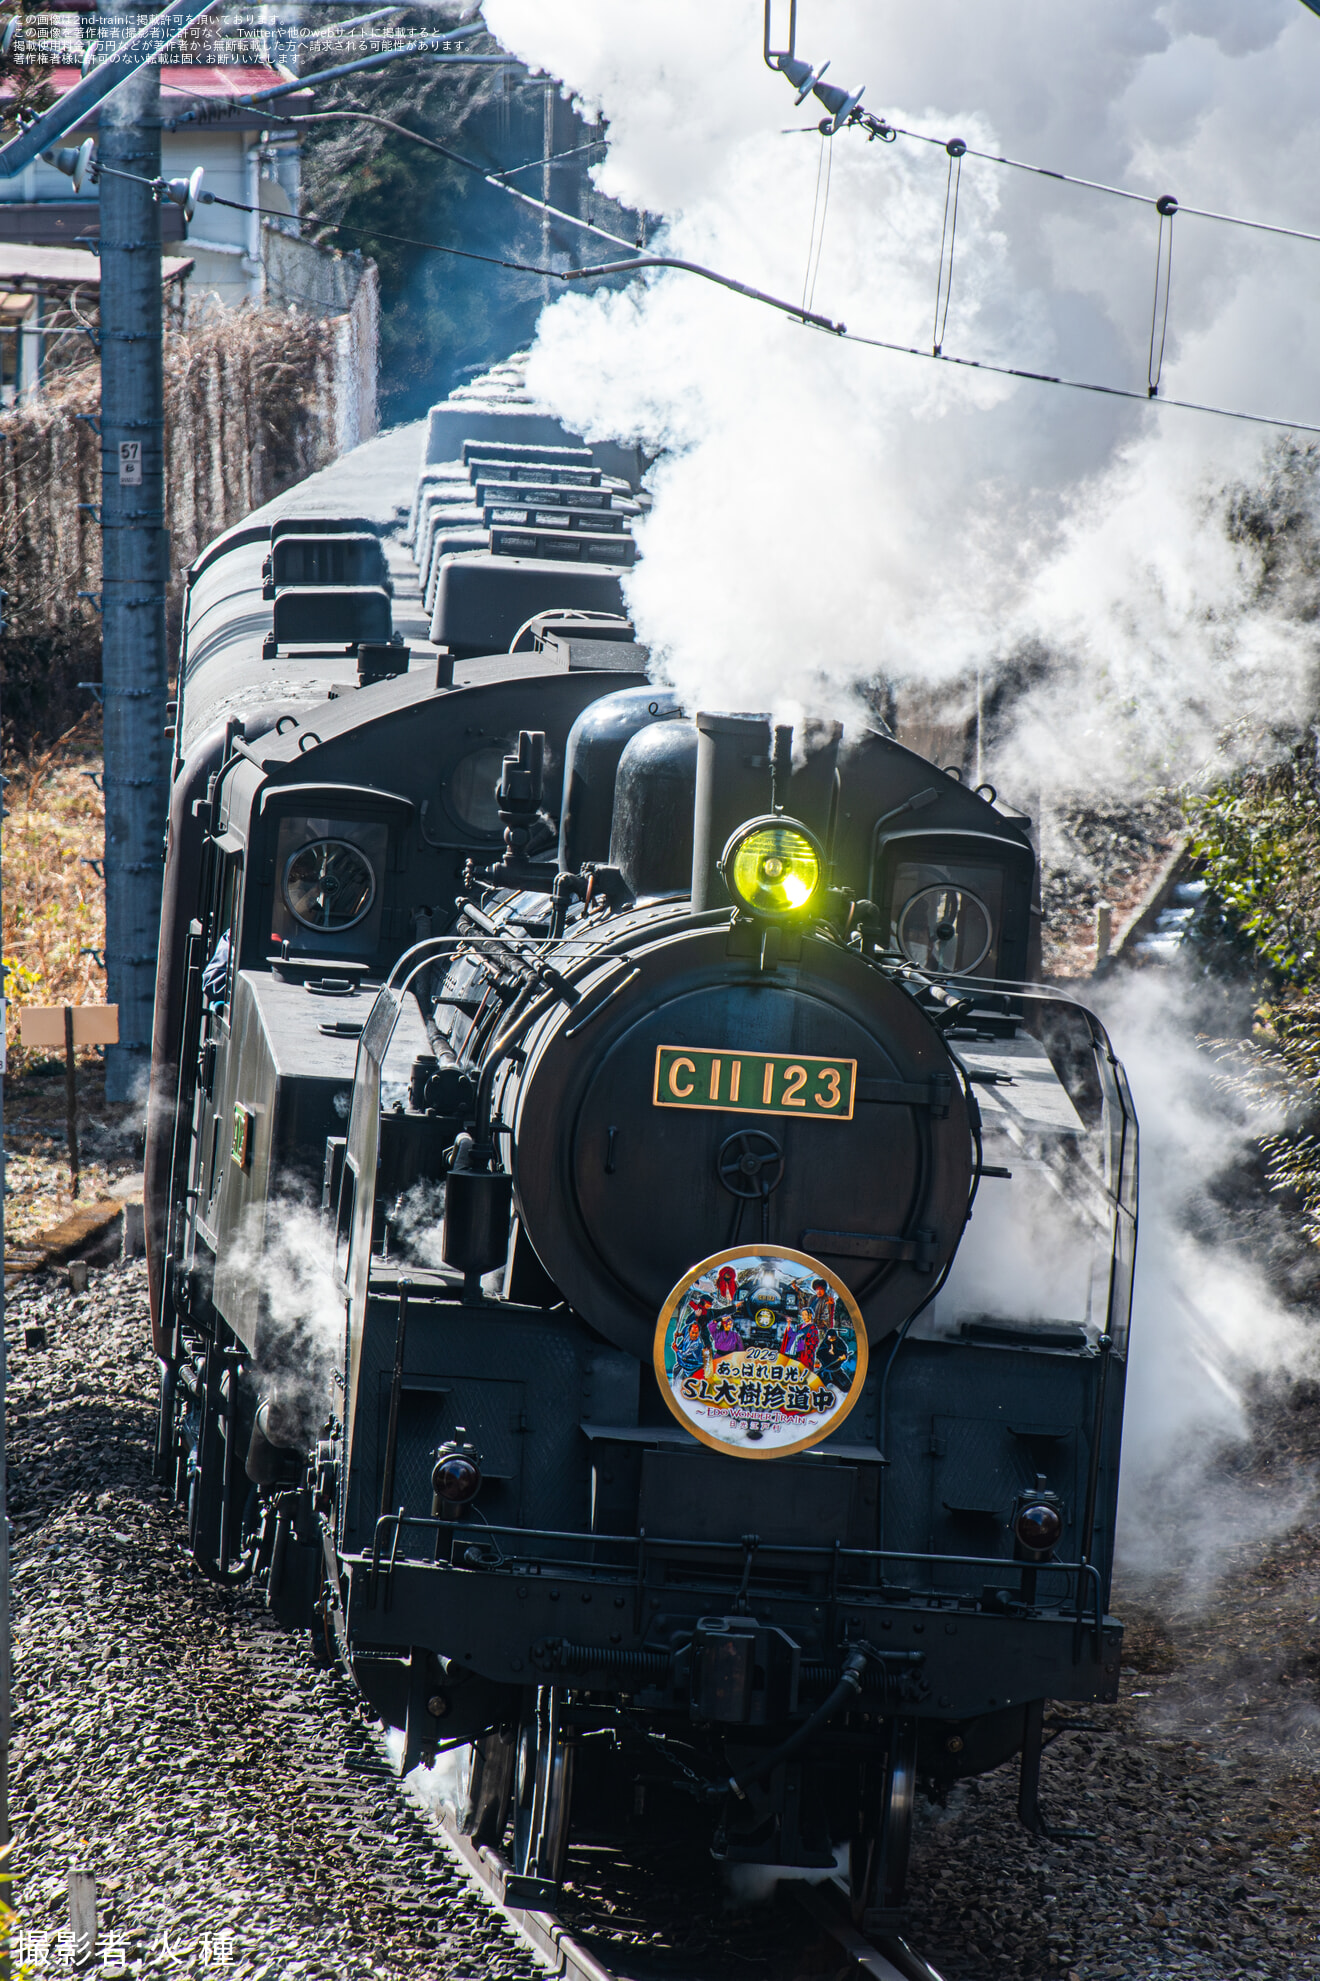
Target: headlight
<point x="455" y="1478"/>
<point x="1038" y="1526"/>
<point x="774" y="867"/>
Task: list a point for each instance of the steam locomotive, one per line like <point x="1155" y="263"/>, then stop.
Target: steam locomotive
<point x="727" y="1251"/>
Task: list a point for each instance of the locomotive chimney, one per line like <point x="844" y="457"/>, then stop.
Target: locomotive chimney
<point x="733" y="785"/>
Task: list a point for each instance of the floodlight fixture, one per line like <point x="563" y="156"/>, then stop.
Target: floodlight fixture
<point x="774" y="868"/>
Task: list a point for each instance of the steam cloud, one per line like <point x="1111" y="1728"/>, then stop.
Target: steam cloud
<point x="826" y="513"/>
<point x="417" y="1224"/>
<point x="1208" y="1325"/>
<point x="282" y="1258"/>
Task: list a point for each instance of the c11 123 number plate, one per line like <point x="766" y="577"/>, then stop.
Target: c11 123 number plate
<point x="755" y="1082"/>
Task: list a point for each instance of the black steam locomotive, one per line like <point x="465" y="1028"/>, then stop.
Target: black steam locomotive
<point x="727" y="1253"/>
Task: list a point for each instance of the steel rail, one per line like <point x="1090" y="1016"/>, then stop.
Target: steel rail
<point x="546" y="1935"/>
<point x="889" y="1958"/>
<point x="548" y="1938"/>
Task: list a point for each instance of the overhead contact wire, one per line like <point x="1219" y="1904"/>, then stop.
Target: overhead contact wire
<point x="808" y="318"/>
<point x="555" y="158"/>
<point x="877" y="127"/>
<point x="793" y="310"/>
<point x="469" y="165"/>
<point x="639" y="260"/>
<point x="880" y="127"/>
<point x="1077" y="384"/>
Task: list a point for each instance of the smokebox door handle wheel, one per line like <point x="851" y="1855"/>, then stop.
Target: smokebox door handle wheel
<point x="751" y="1164"/>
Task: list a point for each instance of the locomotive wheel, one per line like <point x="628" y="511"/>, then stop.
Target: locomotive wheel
<point x="484" y="1782"/>
<point x="542" y="1791"/>
<point x="165" y="1461"/>
<point x="878" y="1854"/>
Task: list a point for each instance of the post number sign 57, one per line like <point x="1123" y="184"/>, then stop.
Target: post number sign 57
<point x="755" y="1082"/>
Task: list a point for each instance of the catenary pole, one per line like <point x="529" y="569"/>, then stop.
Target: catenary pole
<point x="134" y="563"/>
<point x="6" y="1878"/>
<point x="547" y="153"/>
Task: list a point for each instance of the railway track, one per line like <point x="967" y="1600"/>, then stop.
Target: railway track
<point x="568" y="1958"/>
<point x="184" y="1750"/>
<point x="202" y="1753"/>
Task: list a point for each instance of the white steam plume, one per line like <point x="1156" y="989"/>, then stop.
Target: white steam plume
<point x="417" y="1224"/>
<point x="282" y="1263"/>
<point x="827" y="513"/>
<point x="1207" y="1323"/>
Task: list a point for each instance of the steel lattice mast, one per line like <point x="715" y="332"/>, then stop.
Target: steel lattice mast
<point x="134" y="561"/>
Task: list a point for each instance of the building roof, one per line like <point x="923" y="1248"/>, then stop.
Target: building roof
<point x="208" y="83"/>
<point x="71" y="223"/>
<point x="65" y="268"/>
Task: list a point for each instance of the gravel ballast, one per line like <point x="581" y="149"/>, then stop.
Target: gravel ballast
<point x="168" y="1737"/>
<point x="233" y="1808"/>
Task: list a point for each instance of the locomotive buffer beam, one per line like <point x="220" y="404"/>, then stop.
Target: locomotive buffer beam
<point x="719" y="1684"/>
<point x="972" y="1657"/>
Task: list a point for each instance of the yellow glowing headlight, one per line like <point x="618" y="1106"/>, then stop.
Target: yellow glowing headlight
<point x="774" y="867"/>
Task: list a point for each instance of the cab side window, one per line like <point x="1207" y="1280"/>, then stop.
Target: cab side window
<point x="218" y="971"/>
